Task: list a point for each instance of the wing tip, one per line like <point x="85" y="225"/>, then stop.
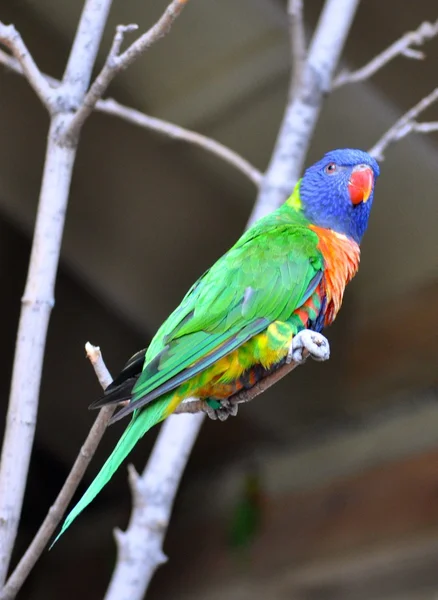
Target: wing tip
<point x="123" y="412"/>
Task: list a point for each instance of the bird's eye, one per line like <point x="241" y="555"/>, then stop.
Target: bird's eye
<point x="331" y="168"/>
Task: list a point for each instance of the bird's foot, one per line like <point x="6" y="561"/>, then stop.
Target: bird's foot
<point x="315" y="343"/>
<point x="220" y="409"/>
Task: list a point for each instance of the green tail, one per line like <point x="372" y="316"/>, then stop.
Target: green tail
<point x="140" y="424"/>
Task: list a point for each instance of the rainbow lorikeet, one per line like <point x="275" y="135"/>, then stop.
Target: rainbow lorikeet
<point x="237" y="323"/>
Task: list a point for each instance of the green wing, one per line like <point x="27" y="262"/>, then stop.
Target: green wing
<point x="269" y="272"/>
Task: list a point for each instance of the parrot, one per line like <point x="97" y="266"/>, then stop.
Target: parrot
<point x="285" y="276"/>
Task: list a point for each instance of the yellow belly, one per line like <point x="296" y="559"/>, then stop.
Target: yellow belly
<point x="222" y="379"/>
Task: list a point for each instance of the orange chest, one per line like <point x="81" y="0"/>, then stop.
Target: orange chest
<point x="341" y="261"/>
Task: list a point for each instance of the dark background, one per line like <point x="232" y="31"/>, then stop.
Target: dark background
<point x="345" y="453"/>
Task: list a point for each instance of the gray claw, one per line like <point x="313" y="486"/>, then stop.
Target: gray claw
<point x="210" y="412"/>
<point x="315" y="343"/>
<point x="228" y="409"/>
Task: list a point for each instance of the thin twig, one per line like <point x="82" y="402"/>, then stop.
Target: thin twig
<point x="117" y="62"/>
<point x="425" y="127"/>
<point x="14" y="65"/>
<point x="401" y="47"/>
<point x="94" y="355"/>
<point x="112" y="107"/>
<point x="194" y="406"/>
<point x="64" y="497"/>
<point x="131" y="115"/>
<point x="161" y="28"/>
<point x="297" y="36"/>
<point x="406" y="125"/>
<point x="10" y="38"/>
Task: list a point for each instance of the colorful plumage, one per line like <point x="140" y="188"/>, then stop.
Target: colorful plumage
<point x="236" y="324"/>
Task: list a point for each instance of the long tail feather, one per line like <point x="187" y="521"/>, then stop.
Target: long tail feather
<point x="140" y="424"/>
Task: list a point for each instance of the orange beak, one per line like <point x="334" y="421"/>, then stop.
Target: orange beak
<point x="360" y="184"/>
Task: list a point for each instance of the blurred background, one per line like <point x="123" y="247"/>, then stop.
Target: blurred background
<point x="325" y="487"/>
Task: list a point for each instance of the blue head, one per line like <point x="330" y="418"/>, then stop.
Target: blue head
<point x="337" y="191"/>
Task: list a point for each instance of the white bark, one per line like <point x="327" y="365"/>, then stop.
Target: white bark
<point x="10" y="37"/>
<point x="405" y="125"/>
<point x="139" y="548"/>
<point x="56" y="511"/>
<point x="401" y="47"/>
<point x="69" y="101"/>
<point x="302" y="111"/>
<point x="116" y="62"/>
<point x="38" y="296"/>
<point x="37" y="304"/>
<point x="83" y="54"/>
<point x="136" y="117"/>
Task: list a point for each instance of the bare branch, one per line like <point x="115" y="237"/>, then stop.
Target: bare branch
<point x="401" y="47"/>
<point x="10" y="38"/>
<point x="139" y="548"/>
<point x="298" y="41"/>
<point x="406" y="125"/>
<point x="37" y="304"/>
<point x="117" y="62"/>
<point x="84" y="51"/>
<point x="95" y="357"/>
<point x="160" y="29"/>
<point x="57" y="510"/>
<point x="14" y="65"/>
<point x="114" y="108"/>
<point x="38" y="298"/>
<point x="425" y="127"/>
<point x="303" y="108"/>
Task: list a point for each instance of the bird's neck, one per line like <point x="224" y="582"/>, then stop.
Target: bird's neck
<point x="340" y="252"/>
<point x="341" y="256"/>
<point x="294" y="200"/>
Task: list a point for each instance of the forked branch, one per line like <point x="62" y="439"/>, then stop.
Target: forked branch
<point x="117" y="61"/>
<point x="12" y="40"/>
<point x="401" y="47"/>
<point x="131" y="115"/>
<point x="405" y="125"/>
<point x="38" y="298"/>
<point x="57" y="510"/>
